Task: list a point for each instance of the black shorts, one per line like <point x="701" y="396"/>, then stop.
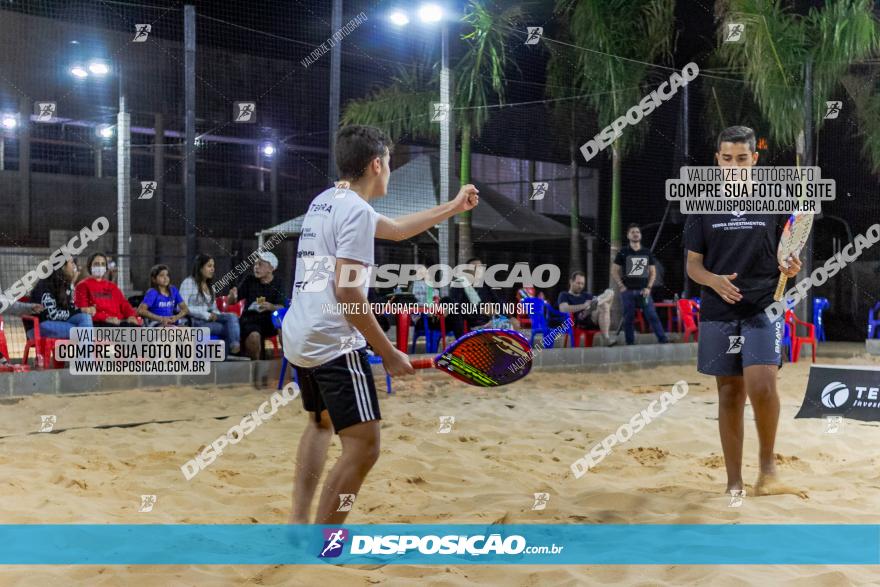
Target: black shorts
<point x="261" y="323"/>
<point x="344" y="387"/>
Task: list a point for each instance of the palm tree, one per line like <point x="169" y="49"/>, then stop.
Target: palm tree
<point x="617" y="40"/>
<point x="402" y="107"/>
<point x="776" y="46"/>
<point x="781" y="51"/>
<point x="568" y="112"/>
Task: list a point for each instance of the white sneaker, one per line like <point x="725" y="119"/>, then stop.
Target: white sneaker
<point x="606" y="296"/>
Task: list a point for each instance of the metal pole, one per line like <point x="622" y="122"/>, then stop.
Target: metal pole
<point x="806" y="307"/>
<point x="189" y="32"/>
<point x="24" y="167"/>
<point x="123" y="192"/>
<point x="159" y="174"/>
<point x="335" y="66"/>
<point x="447" y="152"/>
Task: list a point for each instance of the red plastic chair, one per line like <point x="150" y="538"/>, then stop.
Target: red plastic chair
<point x="44" y="347"/>
<point x="689" y="315"/>
<point x="4" y="350"/>
<point x="796" y="341"/>
<point x="581" y="333"/>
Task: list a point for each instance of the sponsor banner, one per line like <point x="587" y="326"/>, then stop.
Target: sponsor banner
<point x="441" y="544"/>
<point x="849" y="391"/>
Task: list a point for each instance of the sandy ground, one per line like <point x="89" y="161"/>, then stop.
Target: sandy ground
<point x="506" y="444"/>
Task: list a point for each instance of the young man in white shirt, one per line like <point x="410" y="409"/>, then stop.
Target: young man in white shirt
<point x="327" y="348"/>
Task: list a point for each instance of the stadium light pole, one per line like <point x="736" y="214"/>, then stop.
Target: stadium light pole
<point x="431" y="14"/>
<point x="101" y="69"/>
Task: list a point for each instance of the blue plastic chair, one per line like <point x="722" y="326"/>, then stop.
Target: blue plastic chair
<point x="539" y="311"/>
<point x="819" y="306"/>
<point x="432" y="337"/>
<point x="874" y="321"/>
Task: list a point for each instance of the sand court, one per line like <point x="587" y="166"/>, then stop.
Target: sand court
<point x="505" y="445"/>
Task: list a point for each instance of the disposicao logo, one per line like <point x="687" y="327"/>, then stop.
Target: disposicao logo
<point x="334" y="540"/>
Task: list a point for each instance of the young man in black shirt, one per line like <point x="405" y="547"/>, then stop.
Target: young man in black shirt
<point x="263" y="295"/>
<point x="733" y="256"/>
<point x="590" y="313"/>
<point x="635" y="286"/>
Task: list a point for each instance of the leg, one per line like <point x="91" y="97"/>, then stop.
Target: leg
<point x="601" y="315"/>
<point x="231" y="333"/>
<point x="731" y="405"/>
<point x="654" y="320"/>
<point x="760" y="383"/>
<point x="360" y="451"/>
<point x="629" y="314"/>
<point x="55" y="329"/>
<point x="253" y="346"/>
<point x="310" y="457"/>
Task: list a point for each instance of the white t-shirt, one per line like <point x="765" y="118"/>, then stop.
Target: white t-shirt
<point x="341" y="224"/>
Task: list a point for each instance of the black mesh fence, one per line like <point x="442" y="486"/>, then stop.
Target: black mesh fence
<point x="262" y="107"/>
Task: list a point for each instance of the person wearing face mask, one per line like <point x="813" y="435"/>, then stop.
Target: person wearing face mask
<point x="112" y="309"/>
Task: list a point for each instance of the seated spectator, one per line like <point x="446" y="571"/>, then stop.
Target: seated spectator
<point x="264" y="295"/>
<point x="198" y="293"/>
<point x="462" y="291"/>
<point x="112" y="309"/>
<point x="421" y="289"/>
<point x="162" y="304"/>
<point x="16" y="308"/>
<point x="59" y="313"/>
<point x="589" y="313"/>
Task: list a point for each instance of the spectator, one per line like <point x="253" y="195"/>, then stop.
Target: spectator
<point x="197" y="291"/>
<point x="590" y="313"/>
<point x="161" y="300"/>
<point x="112" y="309"/>
<point x="59" y="313"/>
<point x="263" y="296"/>
<point x="421" y="289"/>
<point x="462" y="292"/>
<point x="16" y="308"/>
<point x="635" y="287"/>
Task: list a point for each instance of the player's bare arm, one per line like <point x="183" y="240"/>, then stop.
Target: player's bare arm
<point x="398" y="229"/>
<point x="357" y="311"/>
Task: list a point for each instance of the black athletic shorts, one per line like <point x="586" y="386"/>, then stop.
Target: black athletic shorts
<point x="344" y="387"/>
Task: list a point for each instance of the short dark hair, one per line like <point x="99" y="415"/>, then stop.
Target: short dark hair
<point x="576" y="274"/>
<point x="356" y="146"/>
<point x="472" y="259"/>
<point x="633" y="225"/>
<point x="737" y="134"/>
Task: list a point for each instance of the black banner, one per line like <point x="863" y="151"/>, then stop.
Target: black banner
<point x="849" y="391"/>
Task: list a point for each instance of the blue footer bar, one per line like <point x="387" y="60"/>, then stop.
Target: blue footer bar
<point x="148" y="544"/>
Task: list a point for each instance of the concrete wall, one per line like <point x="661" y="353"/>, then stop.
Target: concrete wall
<point x="266" y="373"/>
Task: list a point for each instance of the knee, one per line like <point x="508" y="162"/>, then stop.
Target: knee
<point x="761" y="390"/>
<point x="731" y="396"/>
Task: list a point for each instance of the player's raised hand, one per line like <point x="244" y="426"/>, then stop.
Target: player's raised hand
<point x="467" y="199"/>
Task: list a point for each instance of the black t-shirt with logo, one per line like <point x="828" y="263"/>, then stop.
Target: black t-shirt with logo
<point x="745" y="245"/>
<point x="251" y="288"/>
<point x="634" y="266"/>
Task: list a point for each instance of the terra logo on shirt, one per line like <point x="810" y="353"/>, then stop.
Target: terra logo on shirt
<point x="636" y="266"/>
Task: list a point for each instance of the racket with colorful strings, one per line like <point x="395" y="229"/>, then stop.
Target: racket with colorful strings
<point x="485" y="358"/>
<point x="794" y="237"/>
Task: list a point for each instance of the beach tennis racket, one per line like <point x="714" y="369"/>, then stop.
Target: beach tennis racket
<point x="486" y="358"/>
<point x="794" y="237"/>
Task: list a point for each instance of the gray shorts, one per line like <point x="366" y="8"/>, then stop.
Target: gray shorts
<point x="726" y="347"/>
